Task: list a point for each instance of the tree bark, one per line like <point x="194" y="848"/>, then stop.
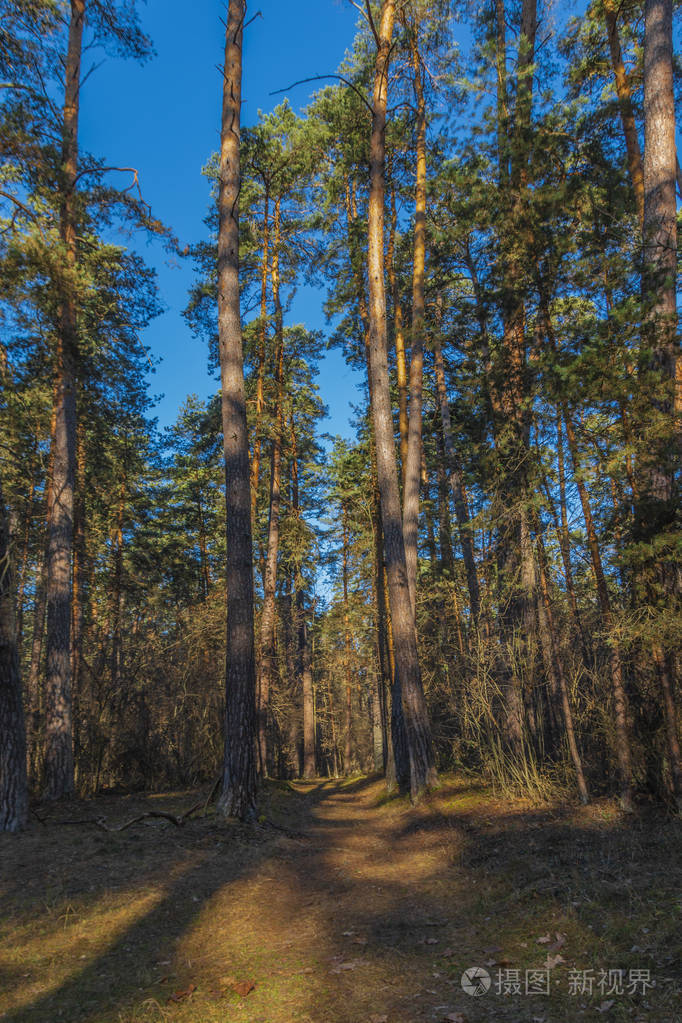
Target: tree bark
<point x="348" y="749"/>
<point x="238" y="795"/>
<point x="309" y="723"/>
<point x="13" y="781"/>
<point x="414" y="437"/>
<point x="59" y="765"/>
<point x="267" y="630"/>
<point x="399" y="338"/>
<point x="77" y="610"/>
<point x="657" y="500"/>
<point x="262" y="342"/>
<point x="408" y="676"/>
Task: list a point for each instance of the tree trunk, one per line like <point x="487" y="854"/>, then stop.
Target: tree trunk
<point x="267" y="630"/>
<point x="238" y="796"/>
<point x="262" y="343"/>
<point x="399" y="337"/>
<point x="408" y="675"/>
<point x="78" y="581"/>
<point x="658" y="502"/>
<point x="546" y="620"/>
<point x="627" y="115"/>
<point x="414" y="438"/>
<point x="13" y="782"/>
<point x="348" y="750"/>
<point x="617" y="682"/>
<point x="309" y="723"/>
<point x="385" y="636"/>
<point x="59" y="770"/>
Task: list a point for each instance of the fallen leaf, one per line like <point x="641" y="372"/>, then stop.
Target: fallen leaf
<point x="448" y="953"/>
<point x="552" y="961"/>
<point x="432" y="941"/>
<point x="243" y="987"/>
<point x="605" y="1006"/>
<point x="378" y="1019"/>
<point x="455" y="1017"/>
<point x="544" y="940"/>
<point x="180" y="996"/>
<point x="559" y="943"/>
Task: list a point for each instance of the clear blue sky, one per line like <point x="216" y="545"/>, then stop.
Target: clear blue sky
<point x="163" y="118"/>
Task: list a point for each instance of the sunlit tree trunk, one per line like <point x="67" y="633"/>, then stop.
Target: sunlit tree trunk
<point x="238" y="795"/>
<point x="348" y="749"/>
<point x="414" y="438"/>
<point x="309" y="722"/>
<point x="408" y="676"/>
<point x="398" y="334"/>
<point x="395" y="773"/>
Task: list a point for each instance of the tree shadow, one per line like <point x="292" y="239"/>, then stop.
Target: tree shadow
<point x="377" y="912"/>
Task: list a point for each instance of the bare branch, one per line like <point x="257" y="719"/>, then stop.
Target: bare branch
<point x="258" y="14"/>
<point x="370" y="19"/>
<point x="320" y="78"/>
<point x="24" y="209"/>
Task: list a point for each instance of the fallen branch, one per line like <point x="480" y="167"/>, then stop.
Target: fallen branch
<point x="101" y="822"/>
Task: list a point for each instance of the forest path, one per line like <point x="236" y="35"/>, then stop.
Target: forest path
<point x="339" y="906"/>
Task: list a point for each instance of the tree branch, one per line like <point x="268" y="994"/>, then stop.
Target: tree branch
<point x="320" y="78"/>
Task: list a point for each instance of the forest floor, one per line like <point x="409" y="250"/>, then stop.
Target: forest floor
<point x="340" y="906"/>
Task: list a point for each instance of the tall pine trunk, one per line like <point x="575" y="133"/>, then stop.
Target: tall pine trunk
<point x="267" y="628"/>
<point x="348" y="748"/>
<point x="238" y="796"/>
<point x="658" y="500"/>
<point x="408" y="675"/>
<point x="414" y="437"/>
<point x="59" y="766"/>
<point x="262" y="344"/>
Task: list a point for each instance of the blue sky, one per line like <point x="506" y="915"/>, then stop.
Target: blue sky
<point x="163" y="118"/>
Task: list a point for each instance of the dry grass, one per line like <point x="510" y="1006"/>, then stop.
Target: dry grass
<point x="362" y="909"/>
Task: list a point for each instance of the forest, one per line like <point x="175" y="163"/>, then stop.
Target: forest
<point x="466" y="610"/>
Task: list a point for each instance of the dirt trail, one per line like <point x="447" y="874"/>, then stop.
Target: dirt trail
<point x="340" y="908"/>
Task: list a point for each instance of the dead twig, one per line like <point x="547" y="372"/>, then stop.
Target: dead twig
<point x="101" y="822"/>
